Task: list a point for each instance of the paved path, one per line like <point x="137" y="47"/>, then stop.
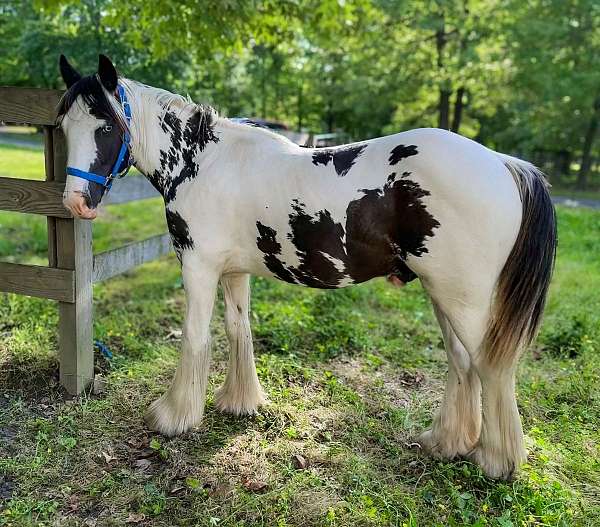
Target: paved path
<point x="576" y="202"/>
<point x="20" y="143"/>
<point x="560" y="200"/>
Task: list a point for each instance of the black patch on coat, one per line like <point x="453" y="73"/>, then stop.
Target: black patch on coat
<point x="343" y="157"/>
<point x="382" y="229"/>
<point x="178" y="163"/>
<point x="322" y="156"/>
<point x="314" y="238"/>
<point x="268" y="244"/>
<point x="180" y="232"/>
<point x="108" y="145"/>
<point x="404" y="273"/>
<point x="401" y="151"/>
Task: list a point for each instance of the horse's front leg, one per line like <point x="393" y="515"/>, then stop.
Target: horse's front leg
<point x="241" y="393"/>
<point x="182" y="406"/>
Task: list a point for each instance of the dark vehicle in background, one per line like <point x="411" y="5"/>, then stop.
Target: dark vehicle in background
<point x="307" y="139"/>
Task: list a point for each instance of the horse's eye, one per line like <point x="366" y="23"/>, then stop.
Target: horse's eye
<point x="107" y="129"/>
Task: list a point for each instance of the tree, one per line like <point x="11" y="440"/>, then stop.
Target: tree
<point x="555" y="49"/>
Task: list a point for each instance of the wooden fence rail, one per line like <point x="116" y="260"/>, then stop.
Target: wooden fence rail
<point x="72" y="266"/>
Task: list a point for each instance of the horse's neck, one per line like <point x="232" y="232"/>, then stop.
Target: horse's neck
<point x="171" y="135"/>
<point x="168" y="132"/>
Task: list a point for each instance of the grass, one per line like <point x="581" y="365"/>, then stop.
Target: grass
<point x="21" y="162"/>
<point x="352" y="376"/>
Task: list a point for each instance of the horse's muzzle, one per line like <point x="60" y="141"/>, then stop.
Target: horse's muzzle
<point x="76" y="203"/>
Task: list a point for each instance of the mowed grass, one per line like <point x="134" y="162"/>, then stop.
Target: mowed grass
<point x="352" y="376"/>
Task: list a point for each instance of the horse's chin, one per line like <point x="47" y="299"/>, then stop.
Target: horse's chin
<point x="76" y="204"/>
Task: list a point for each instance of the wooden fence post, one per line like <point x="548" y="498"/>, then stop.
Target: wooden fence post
<point x="72" y="249"/>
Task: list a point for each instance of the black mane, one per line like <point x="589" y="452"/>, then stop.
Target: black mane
<point x="93" y="95"/>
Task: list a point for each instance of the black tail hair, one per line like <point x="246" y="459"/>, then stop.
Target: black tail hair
<point x="523" y="283"/>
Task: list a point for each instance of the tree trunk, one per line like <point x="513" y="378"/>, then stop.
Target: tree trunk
<point x="444" y="101"/>
<point x="263" y="88"/>
<point x="300" y="86"/>
<point x="329" y="117"/>
<point x="586" y="158"/>
<point x="458" y="108"/>
<point x="444" y="109"/>
<point x="563" y="162"/>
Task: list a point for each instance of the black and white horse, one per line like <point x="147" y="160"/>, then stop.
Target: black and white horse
<point x="475" y="226"/>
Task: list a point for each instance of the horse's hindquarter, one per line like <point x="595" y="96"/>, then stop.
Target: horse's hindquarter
<point x="476" y="202"/>
<point x="332" y="217"/>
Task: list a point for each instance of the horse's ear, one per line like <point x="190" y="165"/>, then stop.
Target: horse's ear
<point x="107" y="73"/>
<point x="69" y="74"/>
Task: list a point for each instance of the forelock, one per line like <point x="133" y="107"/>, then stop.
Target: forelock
<point x="93" y="97"/>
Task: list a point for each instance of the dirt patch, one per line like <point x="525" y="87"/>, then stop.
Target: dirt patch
<point x="7" y="440"/>
<point x="7" y="486"/>
<point x="396" y="387"/>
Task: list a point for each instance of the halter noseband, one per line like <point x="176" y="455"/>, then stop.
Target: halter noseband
<point x="118" y="170"/>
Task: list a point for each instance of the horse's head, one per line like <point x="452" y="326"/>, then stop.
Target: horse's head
<point x="91" y="114"/>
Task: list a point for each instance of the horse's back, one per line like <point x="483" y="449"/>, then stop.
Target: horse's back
<point x="350" y="213"/>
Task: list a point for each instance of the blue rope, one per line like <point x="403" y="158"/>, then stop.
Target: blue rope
<point x="103" y="348"/>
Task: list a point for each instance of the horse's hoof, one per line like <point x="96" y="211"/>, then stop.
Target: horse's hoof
<point x="495" y="466"/>
<point x="162" y="417"/>
<point x="239" y="404"/>
<point x="442" y="446"/>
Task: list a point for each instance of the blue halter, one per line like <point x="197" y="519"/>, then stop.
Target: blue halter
<point x="118" y="170"/>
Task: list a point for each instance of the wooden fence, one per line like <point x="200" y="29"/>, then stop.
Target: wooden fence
<point x="72" y="266"/>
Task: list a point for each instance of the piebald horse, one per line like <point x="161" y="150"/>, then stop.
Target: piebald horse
<point x="475" y="226"/>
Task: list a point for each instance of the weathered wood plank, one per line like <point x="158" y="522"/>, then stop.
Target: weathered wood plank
<point x="130" y="188"/>
<point x="117" y="261"/>
<point x="34" y="197"/>
<point x="74" y="251"/>
<point x="49" y="166"/>
<point x="34" y="280"/>
<point x="49" y="152"/>
<point x="35" y="106"/>
<point x="59" y="154"/>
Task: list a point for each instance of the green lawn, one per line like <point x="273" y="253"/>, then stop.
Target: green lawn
<point x="25" y="163"/>
<point x="352" y="376"/>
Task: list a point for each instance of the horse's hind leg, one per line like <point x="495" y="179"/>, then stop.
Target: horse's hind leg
<point x="241" y="393"/>
<point x="499" y="450"/>
<point x="456" y="426"/>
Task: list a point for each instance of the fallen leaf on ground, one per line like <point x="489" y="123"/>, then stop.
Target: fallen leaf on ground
<point x="254" y="485"/>
<point x="99" y="385"/>
<point x="174" y="334"/>
<point x="135" y="518"/>
<point x="107" y="457"/>
<point x="299" y="461"/>
<point x="176" y="489"/>
<point x="411" y="379"/>
<point x="142" y="464"/>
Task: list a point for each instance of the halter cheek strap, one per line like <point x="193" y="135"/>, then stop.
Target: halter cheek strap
<point x="117" y="170"/>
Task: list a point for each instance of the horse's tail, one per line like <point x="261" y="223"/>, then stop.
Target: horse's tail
<point x="523" y="283"/>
